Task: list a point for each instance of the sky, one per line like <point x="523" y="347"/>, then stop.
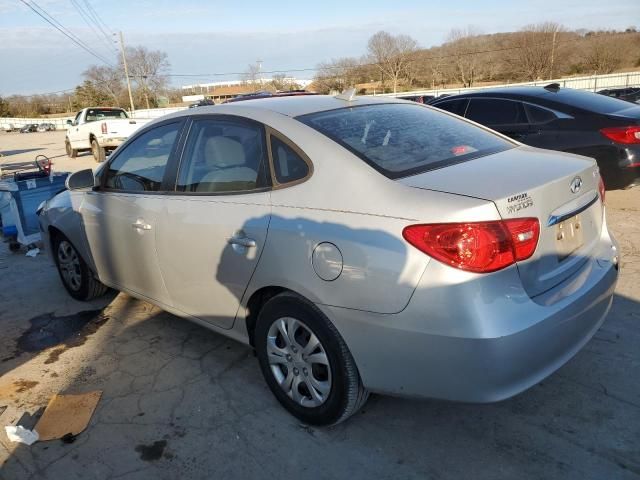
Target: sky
<point x="207" y="37"/>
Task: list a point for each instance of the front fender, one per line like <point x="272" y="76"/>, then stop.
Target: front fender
<point x="62" y="213"/>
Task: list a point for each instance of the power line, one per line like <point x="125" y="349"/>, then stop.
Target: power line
<point x="62" y="29"/>
<point x="98" y="18"/>
<point x="41" y="94"/>
<point x="91" y="23"/>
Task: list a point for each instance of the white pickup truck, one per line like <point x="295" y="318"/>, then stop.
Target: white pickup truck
<point x="100" y="130"/>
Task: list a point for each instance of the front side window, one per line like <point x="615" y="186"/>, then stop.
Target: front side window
<point x="404" y="139"/>
<point x="141" y="165"/>
<point x="491" y="111"/>
<point x="223" y="155"/>
<point x="288" y="166"/>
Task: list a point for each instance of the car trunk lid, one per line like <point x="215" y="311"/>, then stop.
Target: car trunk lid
<point x="559" y="189"/>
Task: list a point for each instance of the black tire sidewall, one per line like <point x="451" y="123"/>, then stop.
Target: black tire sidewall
<point x="98" y="152"/>
<point x="83" y="292"/>
<point x="291" y="306"/>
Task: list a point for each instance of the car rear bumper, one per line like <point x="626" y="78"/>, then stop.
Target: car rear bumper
<point x="623" y="171"/>
<point x="466" y="342"/>
<point x="112" y="142"/>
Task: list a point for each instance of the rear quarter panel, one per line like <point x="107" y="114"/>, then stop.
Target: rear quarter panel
<point x="350" y="205"/>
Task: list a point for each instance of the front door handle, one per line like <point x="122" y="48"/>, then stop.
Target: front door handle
<point x="242" y="241"/>
<point x="140" y="225"/>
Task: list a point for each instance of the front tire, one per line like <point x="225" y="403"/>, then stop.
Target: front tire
<point x="99" y="153"/>
<point x="306" y="362"/>
<point x="71" y="152"/>
<point x="76" y="276"/>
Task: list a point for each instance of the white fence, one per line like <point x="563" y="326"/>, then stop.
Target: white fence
<point x="61" y="122"/>
<point x="593" y="83"/>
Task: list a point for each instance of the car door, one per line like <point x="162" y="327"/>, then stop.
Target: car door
<point x="216" y="222"/>
<point x="502" y="115"/>
<point x="121" y="216"/>
<point x="74" y="131"/>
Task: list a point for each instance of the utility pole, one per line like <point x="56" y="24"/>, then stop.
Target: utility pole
<point x="126" y="72"/>
<point x="259" y="62"/>
<point x="553" y="51"/>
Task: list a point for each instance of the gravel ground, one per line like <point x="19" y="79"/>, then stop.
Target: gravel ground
<point x="182" y="402"/>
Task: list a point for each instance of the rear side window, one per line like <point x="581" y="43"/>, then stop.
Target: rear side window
<point x="288" y="166"/>
<point x="539" y="115"/>
<point x="492" y="111"/>
<point x="404" y="139"/>
<point x="142" y="163"/>
<point x="454" y="106"/>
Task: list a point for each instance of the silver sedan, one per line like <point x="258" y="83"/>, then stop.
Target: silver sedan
<point x="358" y="244"/>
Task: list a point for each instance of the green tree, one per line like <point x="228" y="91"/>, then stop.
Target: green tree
<point x="90" y="95"/>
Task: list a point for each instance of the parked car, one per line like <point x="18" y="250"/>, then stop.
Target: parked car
<point x="202" y="103"/>
<point x="266" y="94"/>
<point x="630" y="94"/>
<point x="8" y="127"/>
<point x="358" y="244"/>
<point x="418" y="98"/>
<point x="46" y="127"/>
<point x="100" y="130"/>
<point x="574" y="121"/>
<point x="29" y="127"/>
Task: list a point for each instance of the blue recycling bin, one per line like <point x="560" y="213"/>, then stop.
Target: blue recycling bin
<point x="27" y="194"/>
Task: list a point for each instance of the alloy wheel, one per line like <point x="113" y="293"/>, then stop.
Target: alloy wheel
<point x="69" y="264"/>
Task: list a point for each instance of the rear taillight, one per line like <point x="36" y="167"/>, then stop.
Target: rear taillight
<point x="479" y="247"/>
<point x="601" y="189"/>
<point x="626" y="135"/>
<point x="103" y="127"/>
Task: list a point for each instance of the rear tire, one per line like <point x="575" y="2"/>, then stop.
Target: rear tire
<point x="71" y="152"/>
<point x="99" y="153"/>
<point x="75" y="274"/>
<point x="306" y="362"/>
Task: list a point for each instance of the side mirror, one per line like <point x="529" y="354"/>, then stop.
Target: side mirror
<point x="69" y="122"/>
<point x="80" y="179"/>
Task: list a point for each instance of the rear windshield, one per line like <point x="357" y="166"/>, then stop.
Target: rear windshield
<point x="595" y="103"/>
<point x="94" y="114"/>
<point x="405" y="139"/>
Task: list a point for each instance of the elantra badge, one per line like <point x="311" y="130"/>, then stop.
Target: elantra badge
<point x="575" y="185"/>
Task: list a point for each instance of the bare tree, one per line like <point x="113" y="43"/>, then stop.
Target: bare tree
<point x="106" y="80"/>
<point x="392" y="54"/>
<point x="336" y="75"/>
<point x="463" y="44"/>
<point x="536" y="50"/>
<point x="148" y="69"/>
<point x="251" y="77"/>
<point x="604" y="54"/>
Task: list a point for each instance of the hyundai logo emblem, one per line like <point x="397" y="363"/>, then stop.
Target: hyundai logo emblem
<point x="575" y="185"/>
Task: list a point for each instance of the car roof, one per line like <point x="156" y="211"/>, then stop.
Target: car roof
<point x="291" y="106"/>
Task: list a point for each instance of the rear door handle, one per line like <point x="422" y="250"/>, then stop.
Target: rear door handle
<point x="242" y="241"/>
<point x="140" y="225"/>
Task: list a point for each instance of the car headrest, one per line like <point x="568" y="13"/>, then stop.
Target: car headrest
<point x="224" y="152"/>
